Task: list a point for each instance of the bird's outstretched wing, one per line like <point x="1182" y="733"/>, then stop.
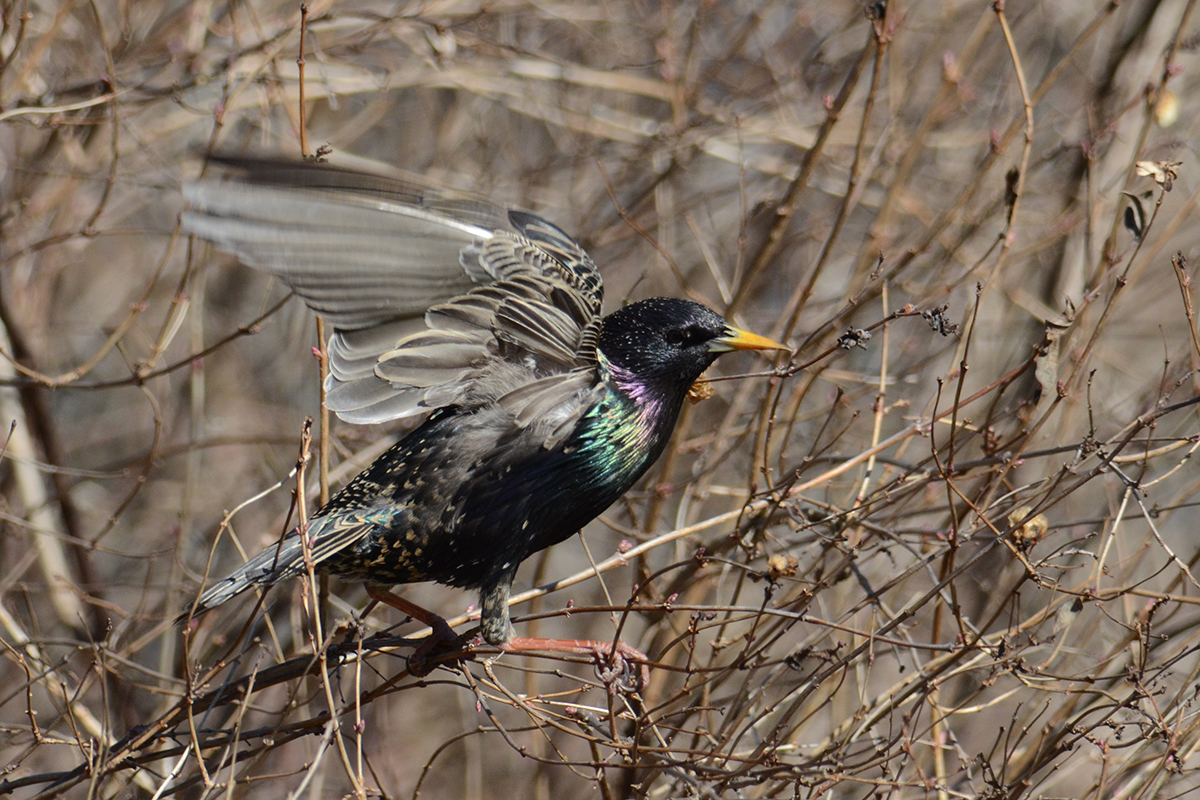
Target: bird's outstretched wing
<point x="436" y="298"/>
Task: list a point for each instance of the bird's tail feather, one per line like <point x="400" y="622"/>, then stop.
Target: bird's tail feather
<point x="327" y="536"/>
<point x="276" y="563"/>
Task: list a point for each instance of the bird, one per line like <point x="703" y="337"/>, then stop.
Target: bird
<point x="542" y="412"/>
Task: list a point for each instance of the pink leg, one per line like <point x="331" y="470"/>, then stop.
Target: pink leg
<point x="602" y="651"/>
<point x="442" y="640"/>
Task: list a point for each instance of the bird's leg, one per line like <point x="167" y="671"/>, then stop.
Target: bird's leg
<point x="442" y="640"/>
<point x="621" y="656"/>
<point x="497" y="629"/>
<point x="494" y="622"/>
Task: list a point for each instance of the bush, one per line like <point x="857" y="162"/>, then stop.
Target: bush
<point x="945" y="549"/>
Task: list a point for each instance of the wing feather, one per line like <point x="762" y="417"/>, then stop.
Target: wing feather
<point x="436" y="298"/>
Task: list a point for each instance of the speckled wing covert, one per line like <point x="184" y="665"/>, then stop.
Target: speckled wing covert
<point x="436" y="298"/>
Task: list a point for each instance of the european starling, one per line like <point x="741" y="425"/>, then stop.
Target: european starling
<point x="543" y="412"/>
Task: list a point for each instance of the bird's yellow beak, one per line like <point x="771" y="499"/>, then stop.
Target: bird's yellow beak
<point x="737" y="339"/>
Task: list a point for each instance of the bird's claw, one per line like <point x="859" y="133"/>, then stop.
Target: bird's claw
<point x="434" y="652"/>
<point x="622" y="669"/>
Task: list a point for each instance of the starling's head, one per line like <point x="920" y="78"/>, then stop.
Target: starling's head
<point x="665" y="343"/>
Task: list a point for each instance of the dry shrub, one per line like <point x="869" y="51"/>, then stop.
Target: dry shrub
<point x="945" y="550"/>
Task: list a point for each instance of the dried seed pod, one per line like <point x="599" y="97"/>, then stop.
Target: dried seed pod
<point x="1028" y="533"/>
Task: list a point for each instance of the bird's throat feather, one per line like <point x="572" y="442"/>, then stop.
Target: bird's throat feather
<point x="627" y="431"/>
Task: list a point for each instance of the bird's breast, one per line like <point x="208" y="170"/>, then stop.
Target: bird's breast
<point x="465" y="498"/>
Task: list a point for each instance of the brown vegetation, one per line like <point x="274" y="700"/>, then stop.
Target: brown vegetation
<point x="948" y="550"/>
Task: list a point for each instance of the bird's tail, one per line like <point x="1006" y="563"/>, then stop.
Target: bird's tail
<point x="276" y="563"/>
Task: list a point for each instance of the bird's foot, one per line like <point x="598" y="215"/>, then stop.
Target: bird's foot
<point x="435" y="650"/>
<point x="615" y="665"/>
<point x="439" y="648"/>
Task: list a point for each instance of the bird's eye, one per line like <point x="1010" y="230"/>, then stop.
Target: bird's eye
<point x="675" y="336"/>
